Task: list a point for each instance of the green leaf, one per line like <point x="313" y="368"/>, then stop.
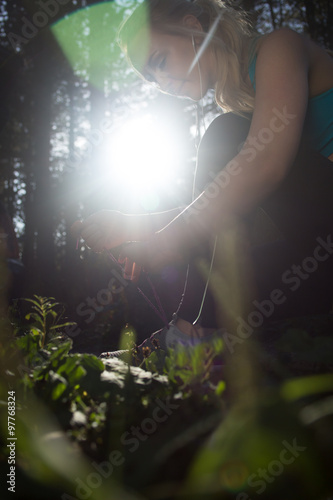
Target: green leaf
<point x="62" y="325"/>
<point x="28" y="344"/>
<point x="307" y="386"/>
<point x="77" y="375"/>
<point x="92" y="362"/>
<point x="60" y="352"/>
<point x="68" y="365"/>
<point x="152" y="362"/>
<point x="58" y="384"/>
<point x="36" y="331"/>
<point x="58" y="391"/>
<point x="32" y="301"/>
<point x="221" y="386"/>
<point x="218" y="345"/>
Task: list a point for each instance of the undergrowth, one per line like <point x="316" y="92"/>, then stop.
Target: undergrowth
<point x="194" y="423"/>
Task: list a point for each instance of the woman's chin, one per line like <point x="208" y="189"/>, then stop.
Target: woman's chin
<point x="191" y="94"/>
<point x="195" y="94"/>
<point x="188" y="91"/>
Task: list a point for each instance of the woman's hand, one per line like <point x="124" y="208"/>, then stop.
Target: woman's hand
<point x="103" y="230"/>
<point x="107" y="229"/>
<point x="152" y="254"/>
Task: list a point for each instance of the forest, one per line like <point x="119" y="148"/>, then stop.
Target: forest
<point x="67" y="93"/>
<point x="80" y="132"/>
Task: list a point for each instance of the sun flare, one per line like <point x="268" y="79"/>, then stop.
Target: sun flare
<point x="143" y="158"/>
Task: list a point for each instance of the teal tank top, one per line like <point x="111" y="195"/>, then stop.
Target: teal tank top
<point x="318" y="126"/>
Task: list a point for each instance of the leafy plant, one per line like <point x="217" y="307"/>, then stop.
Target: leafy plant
<point x="47" y="319"/>
<point x="168" y="419"/>
<point x="193" y="366"/>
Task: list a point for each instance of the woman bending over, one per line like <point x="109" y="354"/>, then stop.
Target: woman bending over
<point x="273" y="149"/>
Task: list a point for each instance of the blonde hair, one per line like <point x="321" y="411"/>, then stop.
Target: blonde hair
<point x="233" y="42"/>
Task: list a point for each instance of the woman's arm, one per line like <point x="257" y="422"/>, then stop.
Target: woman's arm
<point x="280" y="106"/>
<point x="142" y="226"/>
<point x="109" y="228"/>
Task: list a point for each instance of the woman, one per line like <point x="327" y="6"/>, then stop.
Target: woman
<point x="278" y="89"/>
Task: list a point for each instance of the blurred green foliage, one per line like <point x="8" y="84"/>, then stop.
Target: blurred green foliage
<point x="176" y="426"/>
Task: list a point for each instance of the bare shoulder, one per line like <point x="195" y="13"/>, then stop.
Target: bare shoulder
<point x="284" y="41"/>
<point x="281" y="78"/>
<point x="287" y="44"/>
<point x="286" y="35"/>
<point x="282" y="67"/>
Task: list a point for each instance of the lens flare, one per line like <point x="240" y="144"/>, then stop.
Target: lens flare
<point x="142" y="161"/>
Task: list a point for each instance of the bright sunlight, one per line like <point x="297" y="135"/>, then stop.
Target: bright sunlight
<point x="144" y="159"/>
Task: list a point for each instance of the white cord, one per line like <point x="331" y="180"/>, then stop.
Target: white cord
<point x="207" y="282"/>
<point x="197" y="61"/>
<point x="206" y="41"/>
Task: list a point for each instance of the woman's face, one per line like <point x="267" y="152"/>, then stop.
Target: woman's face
<point x="168" y="62"/>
